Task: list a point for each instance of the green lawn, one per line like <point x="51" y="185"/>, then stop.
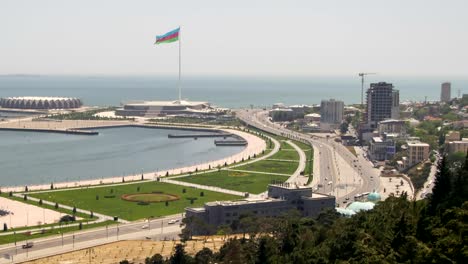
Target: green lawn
<point x="289" y="154"/>
<point x="303" y="146"/>
<point x="285" y="145"/>
<point x="233" y="180"/>
<point x="115" y="206"/>
<point x="284" y="167"/>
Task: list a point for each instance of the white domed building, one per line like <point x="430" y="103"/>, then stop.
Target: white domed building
<point x="36" y="102"/>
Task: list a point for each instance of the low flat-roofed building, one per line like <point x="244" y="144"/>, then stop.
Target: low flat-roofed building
<point x="314" y="117"/>
<point x="281" y="114"/>
<point x="417" y="152"/>
<point x="452" y="136"/>
<point x="457" y="146"/>
<point x="299" y="110"/>
<point x="281" y="199"/>
<point x="163" y="108"/>
<point x="392" y="126"/>
<point x="381" y="149"/>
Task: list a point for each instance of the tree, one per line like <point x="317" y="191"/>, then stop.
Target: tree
<point x="204" y="256"/>
<point x="40" y="201"/>
<point x="25" y="197"/>
<point x="155" y="259"/>
<point x="5" y="227"/>
<point x="56" y="206"/>
<point x="74" y="210"/>
<point x="80" y="226"/>
<point x="91" y="215"/>
<point x="52" y="186"/>
<point x="442" y="186"/>
<point x="180" y="256"/>
<point x="202" y="194"/>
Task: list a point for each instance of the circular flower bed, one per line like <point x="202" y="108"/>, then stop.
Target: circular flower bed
<point x="150" y="197"/>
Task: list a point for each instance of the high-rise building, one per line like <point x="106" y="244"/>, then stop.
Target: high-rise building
<point x="445" y="92"/>
<point x="331" y="111"/>
<point x="383" y="103"/>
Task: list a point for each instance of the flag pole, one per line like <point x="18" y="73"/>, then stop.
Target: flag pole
<point x="178" y="84"/>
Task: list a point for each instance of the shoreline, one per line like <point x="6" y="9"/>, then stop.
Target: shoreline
<point x="255" y="146"/>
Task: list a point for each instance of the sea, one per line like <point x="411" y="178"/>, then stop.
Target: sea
<point x="42" y="158"/>
<point x="35" y="158"/>
<point x="231" y="92"/>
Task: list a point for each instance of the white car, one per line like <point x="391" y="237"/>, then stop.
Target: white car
<point x="173" y="221"/>
<point x="144" y="227"/>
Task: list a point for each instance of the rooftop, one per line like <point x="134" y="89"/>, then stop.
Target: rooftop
<point x="168" y="103"/>
<point x="418" y="144"/>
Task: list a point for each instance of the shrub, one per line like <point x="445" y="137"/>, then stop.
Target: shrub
<point x="67" y="218"/>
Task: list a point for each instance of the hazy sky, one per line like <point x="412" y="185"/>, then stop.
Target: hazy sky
<point x="91" y="37"/>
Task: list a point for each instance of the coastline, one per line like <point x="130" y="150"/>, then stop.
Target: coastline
<point x="255" y="146"/>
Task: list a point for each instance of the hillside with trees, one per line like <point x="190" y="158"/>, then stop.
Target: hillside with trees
<point x="434" y="230"/>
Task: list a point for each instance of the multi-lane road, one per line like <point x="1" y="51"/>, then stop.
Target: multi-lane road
<point x="156" y="229"/>
<point x="341" y="173"/>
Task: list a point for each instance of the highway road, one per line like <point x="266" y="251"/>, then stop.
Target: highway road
<point x="156" y="229"/>
<point x="341" y="173"/>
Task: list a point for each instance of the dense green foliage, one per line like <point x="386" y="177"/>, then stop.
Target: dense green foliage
<point x="395" y="231"/>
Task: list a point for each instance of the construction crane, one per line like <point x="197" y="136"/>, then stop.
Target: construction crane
<point x="362" y="74"/>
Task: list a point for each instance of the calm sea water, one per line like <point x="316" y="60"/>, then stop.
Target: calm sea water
<point x="226" y="92"/>
<point x="34" y="158"/>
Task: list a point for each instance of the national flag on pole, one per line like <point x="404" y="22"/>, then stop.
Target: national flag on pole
<point x="169" y="37"/>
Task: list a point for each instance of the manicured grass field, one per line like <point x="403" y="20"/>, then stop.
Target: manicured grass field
<point x="286" y="154"/>
<point x="303" y="146"/>
<point x="234" y="180"/>
<point x="115" y="206"/>
<point x="285" y="145"/>
<point x="284" y="167"/>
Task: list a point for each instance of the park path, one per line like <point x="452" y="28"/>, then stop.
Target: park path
<point x="101" y="217"/>
<point x="295" y="177"/>
<point x="260" y="172"/>
<point x="203" y="187"/>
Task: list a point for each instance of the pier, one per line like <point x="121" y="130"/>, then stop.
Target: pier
<point x="230" y="143"/>
<point x="224" y="135"/>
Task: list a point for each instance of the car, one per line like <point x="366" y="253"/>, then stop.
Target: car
<point x="28" y="245"/>
<point x="173" y="221"/>
<point x="347" y="198"/>
<point x="145" y="227"/>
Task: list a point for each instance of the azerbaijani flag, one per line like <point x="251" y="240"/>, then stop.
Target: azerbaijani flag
<point x="169" y="37"/>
